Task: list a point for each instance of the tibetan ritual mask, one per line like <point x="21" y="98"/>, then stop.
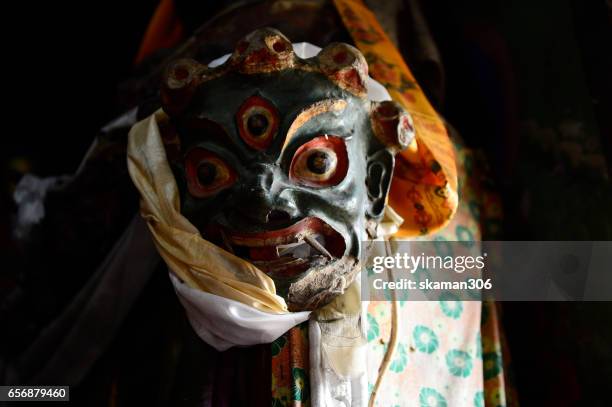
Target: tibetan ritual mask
<point x="283" y="161"/>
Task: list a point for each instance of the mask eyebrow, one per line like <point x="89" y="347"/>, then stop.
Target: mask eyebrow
<point x="323" y="106"/>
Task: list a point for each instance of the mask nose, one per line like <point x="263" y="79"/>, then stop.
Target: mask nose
<point x="262" y="200"/>
<point x="262" y="178"/>
<point x="276" y="216"/>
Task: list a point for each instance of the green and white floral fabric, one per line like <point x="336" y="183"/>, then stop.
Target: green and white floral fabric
<point x="438" y="360"/>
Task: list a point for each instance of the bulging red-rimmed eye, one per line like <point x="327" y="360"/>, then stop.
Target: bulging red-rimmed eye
<point x="257" y="122"/>
<point x="207" y="173"/>
<point x="321" y="162"/>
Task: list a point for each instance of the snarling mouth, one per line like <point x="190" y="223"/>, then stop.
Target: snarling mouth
<point x="289" y="252"/>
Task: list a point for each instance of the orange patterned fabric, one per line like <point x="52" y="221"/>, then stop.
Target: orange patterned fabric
<point x="424" y="187"/>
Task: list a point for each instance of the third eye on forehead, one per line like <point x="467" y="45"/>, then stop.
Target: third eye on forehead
<point x="257" y="124"/>
<point x="259" y="128"/>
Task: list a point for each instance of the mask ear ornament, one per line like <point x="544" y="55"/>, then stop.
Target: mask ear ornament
<point x="392" y="125"/>
<point x="394" y="129"/>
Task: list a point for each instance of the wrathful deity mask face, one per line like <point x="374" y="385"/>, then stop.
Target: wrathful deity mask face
<point x="283" y="161"/>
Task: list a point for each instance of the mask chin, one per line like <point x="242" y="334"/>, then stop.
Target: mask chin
<point x="322" y="285"/>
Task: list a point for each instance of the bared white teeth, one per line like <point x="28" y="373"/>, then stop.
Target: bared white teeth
<point x="309" y="250"/>
<point x="302" y="248"/>
<point x="276" y="241"/>
<point x="317" y="246"/>
<point x="299" y="249"/>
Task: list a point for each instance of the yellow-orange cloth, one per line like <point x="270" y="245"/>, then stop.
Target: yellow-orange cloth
<point x="424" y="186"/>
<point x="199" y="263"/>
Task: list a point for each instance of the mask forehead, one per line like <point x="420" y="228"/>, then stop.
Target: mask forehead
<point x="289" y="93"/>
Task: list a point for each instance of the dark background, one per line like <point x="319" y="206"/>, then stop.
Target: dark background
<point x="527" y="82"/>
